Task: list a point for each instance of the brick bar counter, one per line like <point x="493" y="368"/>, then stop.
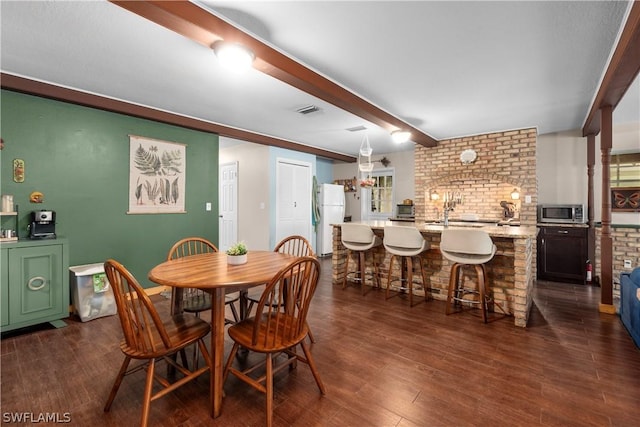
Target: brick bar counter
<point x="511" y="272"/>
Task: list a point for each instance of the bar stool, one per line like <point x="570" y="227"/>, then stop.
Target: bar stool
<point x="408" y="244"/>
<point x="360" y="238"/>
<point x="468" y="247"/>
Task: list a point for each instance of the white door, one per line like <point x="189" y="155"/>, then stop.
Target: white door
<point x="293" y="199"/>
<point x="228" y="203"/>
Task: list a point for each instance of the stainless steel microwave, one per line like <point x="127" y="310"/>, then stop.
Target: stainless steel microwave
<point x="405" y="211"/>
<point x="560" y="213"/>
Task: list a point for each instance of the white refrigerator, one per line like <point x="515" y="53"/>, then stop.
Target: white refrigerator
<point x="331" y="212"/>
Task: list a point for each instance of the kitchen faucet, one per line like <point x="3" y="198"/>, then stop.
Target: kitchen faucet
<point x="445" y="212"/>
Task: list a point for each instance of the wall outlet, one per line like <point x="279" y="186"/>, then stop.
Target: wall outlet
<point x="627" y="263"/>
<point x="527" y="199"/>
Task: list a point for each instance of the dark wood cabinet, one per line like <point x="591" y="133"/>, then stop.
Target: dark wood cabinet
<point x="562" y="254"/>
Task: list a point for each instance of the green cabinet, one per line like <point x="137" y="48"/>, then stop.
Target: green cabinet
<point x="34" y="283"/>
<point x="4" y="288"/>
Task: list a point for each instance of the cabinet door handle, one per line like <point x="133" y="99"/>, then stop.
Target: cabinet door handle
<point x="34" y="279"/>
<point x="563" y="231"/>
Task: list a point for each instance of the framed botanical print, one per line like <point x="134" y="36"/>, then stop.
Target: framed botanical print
<point x="157" y="173"/>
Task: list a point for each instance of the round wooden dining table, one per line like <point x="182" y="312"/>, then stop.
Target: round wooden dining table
<point x="211" y="273"/>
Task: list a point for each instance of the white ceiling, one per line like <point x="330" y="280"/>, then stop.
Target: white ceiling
<point x="448" y="68"/>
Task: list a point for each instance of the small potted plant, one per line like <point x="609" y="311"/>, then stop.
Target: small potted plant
<point x="237" y="254"/>
<point x="367" y="182"/>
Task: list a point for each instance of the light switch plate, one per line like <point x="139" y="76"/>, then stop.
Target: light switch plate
<point x="207" y="206"/>
<point x="527" y="199"/>
<point x="627" y="263"/>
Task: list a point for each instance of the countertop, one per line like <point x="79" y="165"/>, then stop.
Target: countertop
<point x="555" y="224"/>
<point x="520" y="232"/>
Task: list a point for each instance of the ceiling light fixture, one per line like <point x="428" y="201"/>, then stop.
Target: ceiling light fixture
<point x="233" y="56"/>
<point x="400" y="136"/>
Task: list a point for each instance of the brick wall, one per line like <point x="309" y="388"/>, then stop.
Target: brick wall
<point x="506" y="160"/>
<point x="626" y="245"/>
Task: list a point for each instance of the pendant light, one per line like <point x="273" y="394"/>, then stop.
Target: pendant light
<point x="365" y="165"/>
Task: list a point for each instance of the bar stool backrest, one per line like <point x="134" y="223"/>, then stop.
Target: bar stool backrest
<point x="403" y="237"/>
<point x="467" y="241"/>
<point x="357" y="233"/>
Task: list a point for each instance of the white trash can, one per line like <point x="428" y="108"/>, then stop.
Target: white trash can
<point x="92" y="293"/>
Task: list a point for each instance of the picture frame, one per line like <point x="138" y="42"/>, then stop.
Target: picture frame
<point x="157" y="175"/>
<point x="625" y="199"/>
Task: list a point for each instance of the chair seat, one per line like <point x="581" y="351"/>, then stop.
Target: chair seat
<point x="182" y="331"/>
<point x="358" y="246"/>
<point x="404" y="251"/>
<point x="268" y="341"/>
<point x="196" y="304"/>
<point x="469" y="259"/>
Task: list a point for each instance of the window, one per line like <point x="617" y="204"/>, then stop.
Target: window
<point x="625" y="170"/>
<point x="377" y="201"/>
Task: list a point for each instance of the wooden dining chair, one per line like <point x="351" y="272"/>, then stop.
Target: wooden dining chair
<point x="292" y="245"/>
<point x="279" y="326"/>
<point x="149" y="338"/>
<point x="192" y="300"/>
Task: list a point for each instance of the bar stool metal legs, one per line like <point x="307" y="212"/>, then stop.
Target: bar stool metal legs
<point x="360" y="274"/>
<point x="408" y="245"/>
<point x="457" y="292"/>
<point x="473" y="248"/>
<point x="406" y="283"/>
<point x="360" y="239"/>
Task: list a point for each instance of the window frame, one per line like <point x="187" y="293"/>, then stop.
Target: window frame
<point x="366" y="194"/>
<point x="628" y="161"/>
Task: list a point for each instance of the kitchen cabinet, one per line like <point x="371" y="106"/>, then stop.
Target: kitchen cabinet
<point x="34" y="283"/>
<point x="562" y="253"/>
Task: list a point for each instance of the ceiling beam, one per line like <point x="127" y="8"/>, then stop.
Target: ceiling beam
<point x="621" y="72"/>
<point x="202" y="26"/>
<point x="46" y="90"/>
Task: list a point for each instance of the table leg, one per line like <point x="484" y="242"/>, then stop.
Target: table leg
<point x="217" y="351"/>
<point x="244" y="304"/>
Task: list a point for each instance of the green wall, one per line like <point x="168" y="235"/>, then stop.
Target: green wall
<point x="79" y="158"/>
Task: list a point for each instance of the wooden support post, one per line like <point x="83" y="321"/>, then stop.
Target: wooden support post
<point x="591" y="233"/>
<point x="606" y="242"/>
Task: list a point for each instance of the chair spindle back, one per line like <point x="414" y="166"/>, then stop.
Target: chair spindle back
<point x="280" y="325"/>
<point x="142" y="326"/>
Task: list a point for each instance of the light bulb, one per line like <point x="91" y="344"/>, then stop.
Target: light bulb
<point x="400" y="136"/>
<point x="233" y="56"/>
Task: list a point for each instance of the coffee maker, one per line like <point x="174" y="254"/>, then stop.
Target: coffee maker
<point x="43" y="225"/>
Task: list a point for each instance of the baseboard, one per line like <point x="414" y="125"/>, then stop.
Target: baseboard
<point x="157" y="290"/>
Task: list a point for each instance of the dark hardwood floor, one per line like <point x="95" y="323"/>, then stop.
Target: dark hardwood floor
<point x="383" y="364"/>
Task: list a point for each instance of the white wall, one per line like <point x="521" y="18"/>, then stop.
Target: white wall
<point x="562" y="168"/>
